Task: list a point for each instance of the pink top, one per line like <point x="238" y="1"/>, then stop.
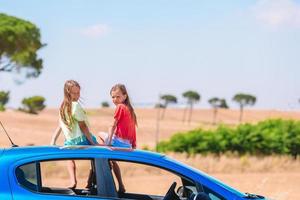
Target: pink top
<point x="125" y="124"/>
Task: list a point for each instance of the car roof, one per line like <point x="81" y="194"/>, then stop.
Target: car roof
<point x="1" y="152"/>
<point x="29" y="151"/>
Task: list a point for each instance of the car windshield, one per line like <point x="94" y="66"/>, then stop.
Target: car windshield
<point x="227" y="187"/>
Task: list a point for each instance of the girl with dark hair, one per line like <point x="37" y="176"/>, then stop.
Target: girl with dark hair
<point x="123" y="131"/>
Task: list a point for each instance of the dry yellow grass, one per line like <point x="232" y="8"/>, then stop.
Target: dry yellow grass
<point x="273" y="176"/>
<point x="37" y="129"/>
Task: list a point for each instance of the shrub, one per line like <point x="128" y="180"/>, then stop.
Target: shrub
<point x="2" y="108"/>
<point x="275" y="136"/>
<point x="105" y="104"/>
<point x="4" y="98"/>
<point x="33" y="104"/>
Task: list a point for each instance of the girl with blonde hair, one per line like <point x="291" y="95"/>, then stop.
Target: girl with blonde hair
<point x="74" y="124"/>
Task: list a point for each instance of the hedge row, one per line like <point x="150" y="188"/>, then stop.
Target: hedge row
<point x="274" y="136"/>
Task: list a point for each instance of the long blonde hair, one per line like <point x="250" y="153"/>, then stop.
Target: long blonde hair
<point x="122" y="88"/>
<point x="66" y="106"/>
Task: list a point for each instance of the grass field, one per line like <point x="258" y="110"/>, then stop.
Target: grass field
<point x="277" y="177"/>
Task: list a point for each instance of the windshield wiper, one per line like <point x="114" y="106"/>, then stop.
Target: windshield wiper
<point x="253" y="196"/>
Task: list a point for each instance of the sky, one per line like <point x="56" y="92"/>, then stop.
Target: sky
<point x="217" y="48"/>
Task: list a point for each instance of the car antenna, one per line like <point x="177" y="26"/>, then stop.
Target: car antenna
<point x="12" y="144"/>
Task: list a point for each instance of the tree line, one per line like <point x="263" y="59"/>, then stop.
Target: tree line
<point x="193" y="97"/>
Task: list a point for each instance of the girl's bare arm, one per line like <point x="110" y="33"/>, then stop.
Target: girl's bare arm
<point x="85" y="129"/>
<point x="111" y="131"/>
<point x="55" y="135"/>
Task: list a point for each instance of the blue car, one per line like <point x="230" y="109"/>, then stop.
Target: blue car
<point x="36" y="172"/>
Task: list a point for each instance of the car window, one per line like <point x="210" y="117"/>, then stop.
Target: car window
<point x="27" y="176"/>
<point x="143" y="179"/>
<point x="55" y="173"/>
<point x="55" y="177"/>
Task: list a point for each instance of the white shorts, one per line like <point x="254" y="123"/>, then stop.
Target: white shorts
<point x="116" y="141"/>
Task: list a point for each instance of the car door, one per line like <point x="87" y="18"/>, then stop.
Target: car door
<point x="148" y="180"/>
<point x="45" y="179"/>
<point x="149" y="177"/>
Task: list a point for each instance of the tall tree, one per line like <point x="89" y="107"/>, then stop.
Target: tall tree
<point x="167" y="99"/>
<point x="244" y="100"/>
<point x="217" y="103"/>
<point x="192" y="98"/>
<point x="19" y="42"/>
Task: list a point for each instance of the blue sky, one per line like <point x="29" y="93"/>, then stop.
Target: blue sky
<point x="218" y="48"/>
